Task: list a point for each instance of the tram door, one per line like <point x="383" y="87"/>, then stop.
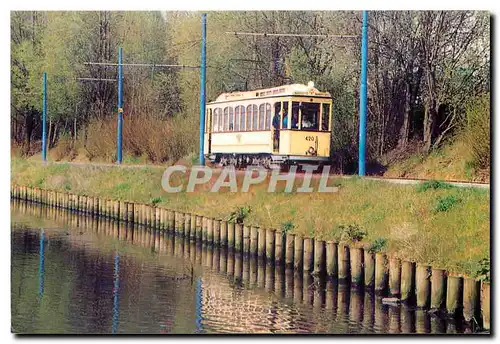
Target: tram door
<point x="280" y="122"/>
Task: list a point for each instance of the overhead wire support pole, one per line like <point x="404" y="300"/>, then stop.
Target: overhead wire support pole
<point x="120" y="108"/>
<point x="44" y="119"/>
<point x="203" y="64"/>
<point x="363" y="96"/>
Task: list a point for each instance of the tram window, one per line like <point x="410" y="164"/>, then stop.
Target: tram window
<point x="262" y="115"/>
<point x="268" y="117"/>
<point x="226" y="119"/>
<point x="242" y="118"/>
<point x="295" y="114"/>
<point x="231" y="119"/>
<point x="237" y="118"/>
<point x="219" y="110"/>
<point x="255" y="115"/>
<point x="310" y="116"/>
<point x="325" y="120"/>
<point x="249" y="117"/>
<point x="214" y="121"/>
<point x="217" y="119"/>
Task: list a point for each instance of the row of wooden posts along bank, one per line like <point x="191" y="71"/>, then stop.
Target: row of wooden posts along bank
<point x="413" y="283"/>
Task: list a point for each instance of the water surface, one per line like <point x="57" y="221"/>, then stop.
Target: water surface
<point x="76" y="274"/>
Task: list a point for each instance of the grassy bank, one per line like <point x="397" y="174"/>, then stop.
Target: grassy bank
<point x="440" y="225"/>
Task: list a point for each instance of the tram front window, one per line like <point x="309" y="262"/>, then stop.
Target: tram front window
<point x="310" y="116"/>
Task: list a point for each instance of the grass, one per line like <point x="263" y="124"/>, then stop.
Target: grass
<point x="455" y="239"/>
<point x="451" y="162"/>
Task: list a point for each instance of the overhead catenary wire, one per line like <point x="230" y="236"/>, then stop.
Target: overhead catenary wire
<point x="154" y="65"/>
<point x="265" y="34"/>
<point x="96" y="79"/>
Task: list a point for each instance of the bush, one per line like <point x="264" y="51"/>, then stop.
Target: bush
<point x="159" y="140"/>
<point x="287" y="226"/>
<point x="239" y="215"/>
<point x="432" y="185"/>
<point x="483" y="270"/>
<point x="352" y="232"/>
<point x="156" y="200"/>
<point x="377" y="245"/>
<point x="477" y="130"/>
<point x="445" y="203"/>
<point x="64" y="148"/>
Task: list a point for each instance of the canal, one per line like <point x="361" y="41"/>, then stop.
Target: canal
<point x="76" y="274"/>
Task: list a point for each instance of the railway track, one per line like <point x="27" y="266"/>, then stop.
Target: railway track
<point x="393" y="180"/>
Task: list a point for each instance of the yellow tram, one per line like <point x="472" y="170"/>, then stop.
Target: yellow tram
<point x="272" y="127"/>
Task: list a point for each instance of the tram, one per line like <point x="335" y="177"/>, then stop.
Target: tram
<point x="273" y="127"/>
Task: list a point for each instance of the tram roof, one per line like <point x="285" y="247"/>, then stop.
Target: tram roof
<point x="285" y="90"/>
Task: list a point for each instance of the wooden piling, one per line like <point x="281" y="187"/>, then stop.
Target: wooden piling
<point x="254" y="240"/>
<point x="394" y="277"/>
<point x="438" y="288"/>
<point x="210" y="230"/>
<point x="319" y="256"/>
<point x="246" y="240"/>
<point x="423" y="285"/>
<point x="332" y="266"/>
<point x="369" y="269"/>
<point x="231" y="233"/>
<point x="204" y="229"/>
<point x="238" y="237"/>
<point x="298" y="255"/>
<point x="216" y="236"/>
<point x="357" y="274"/>
<point x="261" y="243"/>
<point x="171" y="220"/>
<point x="485" y="304"/>
<point x="344" y="262"/>
<point x="192" y="232"/>
<point x="289" y="249"/>
<point x="407" y="280"/>
<point x="187" y="226"/>
<point x="223" y="233"/>
<point x="279" y="247"/>
<point x="381" y="273"/>
<point x="270" y="245"/>
<point x="308" y="254"/>
<point x="471" y="302"/>
<point x="454" y="294"/>
<point x="116" y="210"/>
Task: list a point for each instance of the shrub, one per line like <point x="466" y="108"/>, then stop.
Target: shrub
<point x="287" y="226"/>
<point x="239" y="214"/>
<point x="156" y="200"/>
<point x="64" y="148"/>
<point x="445" y="203"/>
<point x="483" y="270"/>
<point x="432" y="184"/>
<point x="477" y="130"/>
<point x="377" y="245"/>
<point x="352" y="232"/>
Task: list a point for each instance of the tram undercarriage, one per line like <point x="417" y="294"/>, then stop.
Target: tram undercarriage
<point x="266" y="160"/>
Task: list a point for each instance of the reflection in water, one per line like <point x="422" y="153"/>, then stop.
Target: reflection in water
<point x="116" y="290"/>
<point x="41" y="268"/>
<point x="97" y="274"/>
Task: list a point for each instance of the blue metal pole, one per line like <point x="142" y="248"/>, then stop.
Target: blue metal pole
<point x="44" y="119"/>
<point x="116" y="288"/>
<point x="41" y="266"/>
<point x="120" y="107"/>
<point x="203" y="86"/>
<point x="363" y="95"/>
